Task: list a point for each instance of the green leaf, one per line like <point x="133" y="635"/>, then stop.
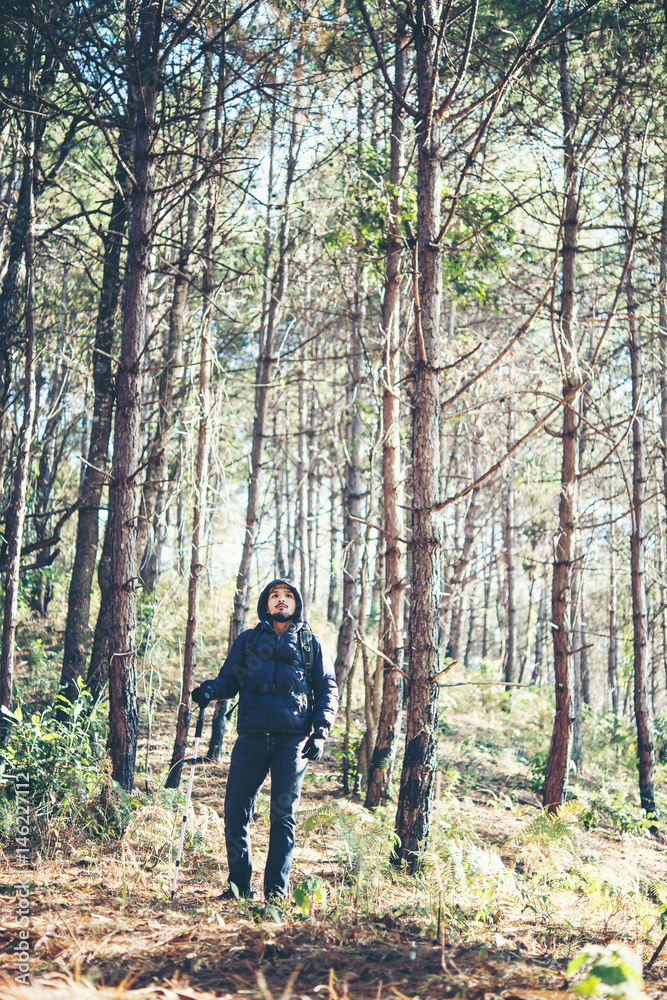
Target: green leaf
<point x="616" y="971"/>
<point x="301" y="898"/>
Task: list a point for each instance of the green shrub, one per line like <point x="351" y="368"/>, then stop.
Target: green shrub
<point x="65" y="761"/>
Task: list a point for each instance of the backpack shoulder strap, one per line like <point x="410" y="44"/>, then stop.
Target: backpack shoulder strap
<point x="248" y="646"/>
<point x="306" y="644"/>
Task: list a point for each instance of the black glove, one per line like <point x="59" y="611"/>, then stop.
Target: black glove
<point x="314" y="747"/>
<point x="202" y="695"/>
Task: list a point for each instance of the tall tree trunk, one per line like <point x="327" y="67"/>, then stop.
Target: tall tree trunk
<point x="201" y="466"/>
<point x="662" y="302"/>
<point x="529" y="626"/>
<point x="583" y="632"/>
<point x="314" y="484"/>
<point x="612" y="652"/>
<point x="470" y="640"/>
<point x="333" y="600"/>
<point x="98" y="665"/>
<point x="555" y="785"/>
<point x="509" y="539"/>
<point x="577" y="642"/>
<point x="123" y="711"/>
<point x="488" y="573"/>
<point x="582" y="695"/>
<point x="662" y="380"/>
<point x="22" y="470"/>
<point x="415" y="800"/>
<point x="355" y="454"/>
<point x="156" y="488"/>
<point x="302" y="483"/>
<point x="94" y="470"/>
<point x="643" y="714"/>
<point x="393" y="597"/>
<point x="280" y="500"/>
<point x="198" y="519"/>
<point x="662" y="587"/>
<point x="7" y="191"/>
<point x="354" y="493"/>
<point x="13" y="282"/>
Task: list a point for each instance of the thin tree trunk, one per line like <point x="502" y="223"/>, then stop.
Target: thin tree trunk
<point x="355" y="453"/>
<point x="302" y="480"/>
<point x="333" y="601"/>
<point x="198" y="520"/>
<point x="662" y="301"/>
<point x="313" y="493"/>
<point x="280" y="499"/>
<point x="555" y="785"/>
<point x="415" y="800"/>
<point x="51" y="448"/>
<point x="199" y="515"/>
<point x="389" y="722"/>
<point x="539" y="634"/>
<point x="98" y="666"/>
<point x="643" y="716"/>
<point x="529" y="624"/>
<point x="509" y="533"/>
<point x="662" y="380"/>
<point x="368" y="739"/>
<point x="584" y="662"/>
<point x="7" y="195"/>
<point x="94" y="470"/>
<point x="662" y="587"/>
<point x="22" y="470"/>
<point x="488" y="572"/>
<point x="457" y="582"/>
<point x="575" y="598"/>
<point x="470" y="640"/>
<point x="579" y="587"/>
<point x="156" y="488"/>
<point x="123" y="710"/>
<point x="612" y="652"/>
<point x="289" y="535"/>
<point x="354" y="494"/>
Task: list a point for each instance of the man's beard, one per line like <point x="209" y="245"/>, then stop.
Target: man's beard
<point x="281" y="616"/>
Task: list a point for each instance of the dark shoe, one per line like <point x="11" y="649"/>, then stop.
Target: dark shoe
<point x="229" y="894"/>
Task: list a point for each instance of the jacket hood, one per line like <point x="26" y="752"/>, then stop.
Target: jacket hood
<point x="262" y="612"/>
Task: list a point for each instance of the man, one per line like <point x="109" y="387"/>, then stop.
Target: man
<point x="288" y="699"/>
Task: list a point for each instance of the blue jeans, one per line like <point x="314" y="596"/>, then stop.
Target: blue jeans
<point x="253" y="756"/>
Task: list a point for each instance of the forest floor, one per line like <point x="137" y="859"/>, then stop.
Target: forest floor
<point x="507" y="897"/>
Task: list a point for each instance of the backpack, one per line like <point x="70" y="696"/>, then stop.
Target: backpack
<point x="305" y="645"/>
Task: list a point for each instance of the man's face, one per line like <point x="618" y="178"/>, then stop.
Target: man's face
<point x="281" y="603"/>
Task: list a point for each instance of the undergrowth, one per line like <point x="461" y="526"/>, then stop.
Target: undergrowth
<point x="524" y="866"/>
<point x="66" y="764"/>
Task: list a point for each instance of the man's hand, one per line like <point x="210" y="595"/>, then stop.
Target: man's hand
<point x="202" y="694"/>
<point x="314" y="747"/>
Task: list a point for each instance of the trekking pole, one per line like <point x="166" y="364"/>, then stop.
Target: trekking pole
<point x="198" y="729"/>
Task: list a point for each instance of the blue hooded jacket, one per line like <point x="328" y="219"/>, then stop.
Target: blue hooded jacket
<point x="274" y="696"/>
